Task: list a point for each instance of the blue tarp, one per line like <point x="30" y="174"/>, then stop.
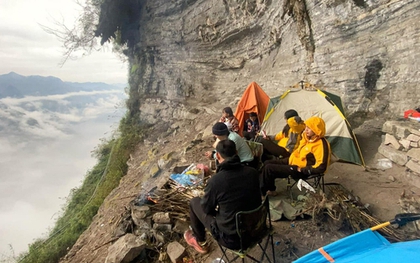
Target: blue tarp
<point x="184" y="179"/>
<point x="366" y="247"/>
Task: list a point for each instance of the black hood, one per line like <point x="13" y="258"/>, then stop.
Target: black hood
<point x="229" y="163"/>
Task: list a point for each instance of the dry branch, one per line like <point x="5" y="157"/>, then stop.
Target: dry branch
<point x="344" y="211"/>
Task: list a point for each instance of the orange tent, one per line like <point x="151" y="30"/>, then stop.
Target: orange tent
<point x="255" y="100"/>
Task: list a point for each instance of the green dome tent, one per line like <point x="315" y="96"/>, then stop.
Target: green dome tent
<point x="314" y="102"/>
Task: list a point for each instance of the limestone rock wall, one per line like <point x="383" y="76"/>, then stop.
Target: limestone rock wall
<point x="401" y="145"/>
<point x="367" y="51"/>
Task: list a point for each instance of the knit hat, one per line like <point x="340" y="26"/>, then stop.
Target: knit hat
<point x="290" y="113"/>
<point x="220" y="129"/>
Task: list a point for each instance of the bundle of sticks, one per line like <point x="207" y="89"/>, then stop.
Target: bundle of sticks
<point x="175" y="199"/>
<point x="346" y="210"/>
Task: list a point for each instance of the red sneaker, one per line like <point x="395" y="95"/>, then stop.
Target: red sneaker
<point x="192" y="241"/>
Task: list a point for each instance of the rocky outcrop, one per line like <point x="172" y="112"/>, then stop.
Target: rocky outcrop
<point x="366" y="51"/>
<point x="401" y="146"/>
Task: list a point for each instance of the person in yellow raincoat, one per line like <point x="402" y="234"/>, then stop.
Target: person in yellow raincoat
<point x="287" y="139"/>
<point x="312" y="156"/>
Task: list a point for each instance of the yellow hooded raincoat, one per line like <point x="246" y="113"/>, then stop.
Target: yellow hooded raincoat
<point x="313" y="157"/>
<point x="291" y="140"/>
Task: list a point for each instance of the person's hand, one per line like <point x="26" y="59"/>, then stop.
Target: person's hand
<point x="208" y="154"/>
<point x="264" y="134"/>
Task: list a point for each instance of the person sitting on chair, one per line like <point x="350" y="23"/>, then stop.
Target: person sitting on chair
<point x="228" y="117"/>
<point x="251" y="126"/>
<point x="311" y="157"/>
<point x="222" y="132"/>
<point x="234" y="188"/>
<point x="288" y="139"/>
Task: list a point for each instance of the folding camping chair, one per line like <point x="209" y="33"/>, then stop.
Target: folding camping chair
<point x="257" y="151"/>
<point x="314" y="180"/>
<point x="253" y="227"/>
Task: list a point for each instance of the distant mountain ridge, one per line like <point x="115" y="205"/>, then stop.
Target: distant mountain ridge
<point x="17" y="86"/>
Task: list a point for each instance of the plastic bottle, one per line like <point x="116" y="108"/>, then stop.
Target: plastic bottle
<point x="384" y="164"/>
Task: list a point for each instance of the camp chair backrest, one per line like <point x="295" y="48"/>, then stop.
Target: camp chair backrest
<point x="257" y="150"/>
<point x="253" y="227"/>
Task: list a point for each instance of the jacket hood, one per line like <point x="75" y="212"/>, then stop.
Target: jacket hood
<point x="229" y="163"/>
<point x="317" y="125"/>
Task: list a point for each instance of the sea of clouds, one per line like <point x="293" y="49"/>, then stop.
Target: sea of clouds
<point x="45" y="151"/>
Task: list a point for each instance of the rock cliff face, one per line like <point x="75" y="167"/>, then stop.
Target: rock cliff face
<point x="367" y="51"/>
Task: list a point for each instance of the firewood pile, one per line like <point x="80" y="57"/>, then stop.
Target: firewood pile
<point x="344" y="211"/>
<point x="175" y="199"/>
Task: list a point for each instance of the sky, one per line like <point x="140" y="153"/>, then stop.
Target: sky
<point x="25" y="48"/>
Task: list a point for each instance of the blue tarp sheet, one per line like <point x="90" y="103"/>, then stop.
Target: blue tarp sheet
<point x="185" y="179"/>
<point x="366" y="247"/>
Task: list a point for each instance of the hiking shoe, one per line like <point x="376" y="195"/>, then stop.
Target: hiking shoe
<point x="192" y="241"/>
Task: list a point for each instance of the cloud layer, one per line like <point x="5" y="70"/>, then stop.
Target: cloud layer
<point x="50" y="116"/>
<point x="46" y="151"/>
